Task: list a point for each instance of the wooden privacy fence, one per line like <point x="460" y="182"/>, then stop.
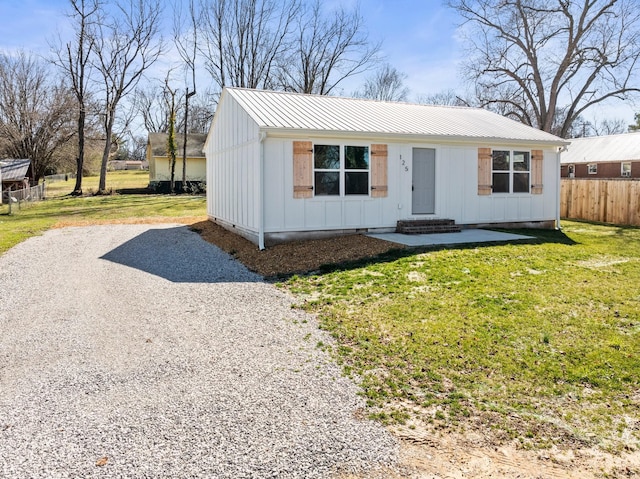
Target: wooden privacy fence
<point x="614" y="201"/>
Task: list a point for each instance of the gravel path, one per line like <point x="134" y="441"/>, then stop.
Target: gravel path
<point x="143" y="351"/>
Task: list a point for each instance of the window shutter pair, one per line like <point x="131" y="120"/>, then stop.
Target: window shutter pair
<point x="303" y="170"/>
<point x="484" y="171"/>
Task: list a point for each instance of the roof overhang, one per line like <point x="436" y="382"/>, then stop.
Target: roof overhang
<point x="410" y="137"/>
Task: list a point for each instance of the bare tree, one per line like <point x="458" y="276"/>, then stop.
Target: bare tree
<point x="537" y="56"/>
<point x="445" y="97"/>
<point x="328" y="49"/>
<point x="127" y="43"/>
<point x="73" y="58"/>
<point x="242" y="40"/>
<point x="172" y="147"/>
<point x="36" y="112"/>
<point x="387" y="84"/>
<point x="608" y="126"/>
<point x="187" y="45"/>
<point x="151" y="107"/>
<point x="636" y="126"/>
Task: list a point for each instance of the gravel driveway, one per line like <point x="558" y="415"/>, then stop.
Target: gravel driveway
<point x="143" y="351"/>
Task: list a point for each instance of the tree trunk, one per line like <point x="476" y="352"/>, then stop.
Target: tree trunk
<point x="77" y="189"/>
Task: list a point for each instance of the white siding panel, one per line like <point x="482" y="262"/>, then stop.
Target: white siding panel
<point x="353" y="213"/>
<point x="314" y="216"/>
<point x="333" y="214"/>
<point x="233" y="162"/>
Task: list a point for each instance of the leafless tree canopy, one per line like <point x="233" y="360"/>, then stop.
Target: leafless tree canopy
<point x="387" y="84"/>
<point x="127" y="43"/>
<point x="541" y="59"/>
<point x="282" y="44"/>
<point x="73" y="59"/>
<point x="328" y="47"/>
<point x="36" y="112"/>
<point x="241" y="40"/>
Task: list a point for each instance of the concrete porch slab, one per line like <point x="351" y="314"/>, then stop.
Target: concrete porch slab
<point x="464" y="237"/>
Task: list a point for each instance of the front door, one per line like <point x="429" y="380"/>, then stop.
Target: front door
<point x="424" y="181"/>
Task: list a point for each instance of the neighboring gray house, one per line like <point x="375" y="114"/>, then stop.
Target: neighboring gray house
<point x="286" y="165"/>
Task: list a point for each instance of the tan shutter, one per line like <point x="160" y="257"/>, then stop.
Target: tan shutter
<point x="484" y="171"/>
<point x="537" y="157"/>
<point x="379" y="187"/>
<point x="302" y="169"/>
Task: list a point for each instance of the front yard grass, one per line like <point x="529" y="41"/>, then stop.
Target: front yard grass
<point x="63" y="210"/>
<point x="537" y="342"/>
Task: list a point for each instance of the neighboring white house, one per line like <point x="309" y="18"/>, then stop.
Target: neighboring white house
<point x="286" y="165"/>
<point x="159" y="163"/>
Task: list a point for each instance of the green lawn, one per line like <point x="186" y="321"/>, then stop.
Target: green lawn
<point x="63" y="210"/>
<point x="537" y="341"/>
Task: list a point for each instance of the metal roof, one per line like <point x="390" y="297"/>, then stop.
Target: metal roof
<point x="318" y="113"/>
<point x="593" y="149"/>
<point x="195" y="143"/>
<point x="14" y="170"/>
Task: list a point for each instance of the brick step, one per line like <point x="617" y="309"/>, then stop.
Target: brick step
<point x="427" y="226"/>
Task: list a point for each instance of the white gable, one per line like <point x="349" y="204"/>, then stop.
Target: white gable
<point x="624" y="147"/>
<point x="315" y="113"/>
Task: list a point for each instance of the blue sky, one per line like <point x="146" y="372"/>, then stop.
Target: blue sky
<point x="419" y="38"/>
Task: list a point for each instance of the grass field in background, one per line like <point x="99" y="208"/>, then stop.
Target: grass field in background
<point x="59" y="209"/>
<point x="537" y="341"/>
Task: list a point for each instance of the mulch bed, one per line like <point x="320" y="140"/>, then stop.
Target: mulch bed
<point x="297" y="257"/>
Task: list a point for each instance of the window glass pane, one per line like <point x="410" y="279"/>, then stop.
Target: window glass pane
<point x="327" y="183"/>
<point x="521" y="182"/>
<point x="520" y="161"/>
<point x="326" y="157"/>
<point x="356" y="183"/>
<point x="356" y="157"/>
<point x="501" y="160"/>
<point x="593" y="169"/>
<point x="626" y="169"/>
<point x="501" y="182"/>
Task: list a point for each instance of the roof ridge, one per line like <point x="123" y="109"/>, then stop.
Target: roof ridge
<point x="352" y="98"/>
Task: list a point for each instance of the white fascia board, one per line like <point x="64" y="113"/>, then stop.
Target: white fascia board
<point x="409" y="138"/>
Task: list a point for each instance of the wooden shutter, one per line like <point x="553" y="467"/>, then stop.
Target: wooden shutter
<point x="484" y="171"/>
<point x="302" y="169"/>
<point x="379" y="156"/>
<point x="537" y="157"/>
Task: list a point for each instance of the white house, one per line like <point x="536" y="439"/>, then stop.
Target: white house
<point x="286" y="165"/>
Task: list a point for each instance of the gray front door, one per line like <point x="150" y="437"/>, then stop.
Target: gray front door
<point x="424" y="181"/>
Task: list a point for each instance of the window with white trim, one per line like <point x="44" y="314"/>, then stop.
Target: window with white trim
<point x="625" y="169"/>
<point x="341" y="170"/>
<point x="592" y="168"/>
<point x="511" y="171"/>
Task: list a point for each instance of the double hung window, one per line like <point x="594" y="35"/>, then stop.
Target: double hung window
<point x="341" y="170"/>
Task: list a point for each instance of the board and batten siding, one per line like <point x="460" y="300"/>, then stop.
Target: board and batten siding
<point x="290" y="209"/>
<point x="459" y="197"/>
<point x="233" y="169"/>
<point x="456" y="196"/>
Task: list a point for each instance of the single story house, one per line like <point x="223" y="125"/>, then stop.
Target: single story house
<point x="283" y="165"/>
<point x="611" y="156"/>
<point x="160" y="164"/>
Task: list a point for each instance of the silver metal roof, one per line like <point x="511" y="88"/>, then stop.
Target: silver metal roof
<point x="317" y="113"/>
<point x="14" y="170"/>
<point x="592" y="149"/>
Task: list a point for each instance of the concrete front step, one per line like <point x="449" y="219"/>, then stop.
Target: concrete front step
<point x="417" y="227"/>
